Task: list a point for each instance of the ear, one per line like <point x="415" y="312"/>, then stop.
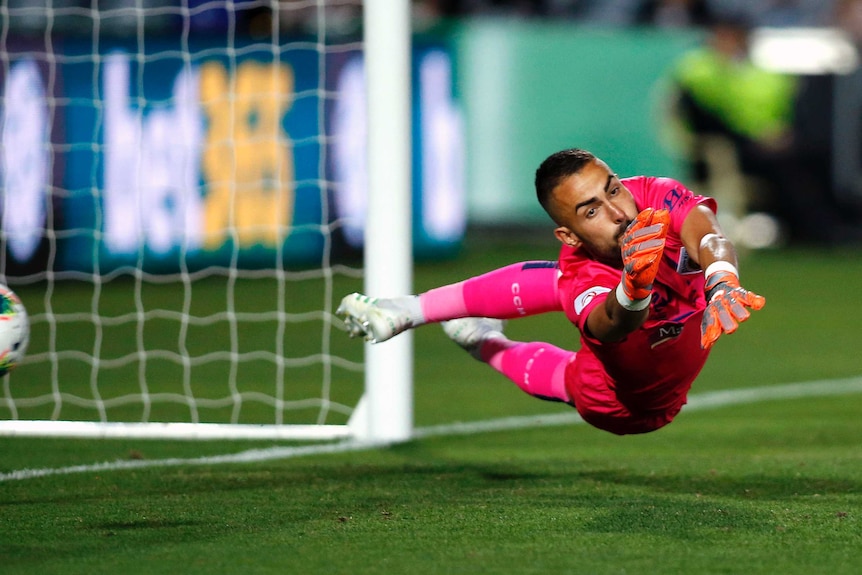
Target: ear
<point x="567" y="236"/>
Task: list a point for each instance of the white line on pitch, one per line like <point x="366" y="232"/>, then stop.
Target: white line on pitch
<point x="707" y="400"/>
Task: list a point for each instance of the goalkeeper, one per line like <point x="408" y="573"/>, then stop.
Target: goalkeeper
<point x="645" y="274"/>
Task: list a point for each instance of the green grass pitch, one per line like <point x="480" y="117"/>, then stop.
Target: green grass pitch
<point x="767" y="487"/>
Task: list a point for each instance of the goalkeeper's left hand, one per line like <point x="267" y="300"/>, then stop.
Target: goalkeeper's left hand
<point x="726" y="306"/>
<point x="642" y="247"/>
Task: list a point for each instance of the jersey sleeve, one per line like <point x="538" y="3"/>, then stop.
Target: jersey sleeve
<point x="668" y="194"/>
<point x="584" y="285"/>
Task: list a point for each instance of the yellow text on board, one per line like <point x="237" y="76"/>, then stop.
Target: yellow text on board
<point x="248" y="159"/>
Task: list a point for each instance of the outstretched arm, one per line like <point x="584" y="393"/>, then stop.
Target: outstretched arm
<point x="727" y="302"/>
<point x="704" y="240"/>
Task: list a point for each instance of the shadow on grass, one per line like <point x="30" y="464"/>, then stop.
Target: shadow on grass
<point x="420" y="496"/>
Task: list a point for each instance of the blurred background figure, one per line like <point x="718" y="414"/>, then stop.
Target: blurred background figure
<point x="126" y="18"/>
<point x="791" y="13"/>
<point x="841" y="131"/>
<point x="738" y="121"/>
<point x="672" y="13"/>
<point x="242" y="18"/>
<point x="848" y="16"/>
<point x="304" y="17"/>
<point x="30" y="17"/>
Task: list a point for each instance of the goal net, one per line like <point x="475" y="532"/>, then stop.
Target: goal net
<point x="184" y="204"/>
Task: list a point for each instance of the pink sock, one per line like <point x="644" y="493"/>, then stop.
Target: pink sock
<point x="537" y="368"/>
<point x="516" y="290"/>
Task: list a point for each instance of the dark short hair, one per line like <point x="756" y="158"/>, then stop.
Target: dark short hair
<point x="555" y="169"/>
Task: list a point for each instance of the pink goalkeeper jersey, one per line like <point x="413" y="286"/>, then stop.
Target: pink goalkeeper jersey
<point x="652" y="369"/>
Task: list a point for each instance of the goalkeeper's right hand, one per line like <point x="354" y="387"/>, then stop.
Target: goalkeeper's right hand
<point x="642" y="248"/>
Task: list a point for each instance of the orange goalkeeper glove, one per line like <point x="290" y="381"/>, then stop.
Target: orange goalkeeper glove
<point x="726" y="305"/>
<point x="642" y="247"/>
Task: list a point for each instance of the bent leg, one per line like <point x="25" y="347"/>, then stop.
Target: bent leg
<point x="550" y="373"/>
<point x="539" y="369"/>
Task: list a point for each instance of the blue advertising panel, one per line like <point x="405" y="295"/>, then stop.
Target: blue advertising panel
<point x="30" y="129"/>
<point x="195" y="155"/>
<point x="438" y="150"/>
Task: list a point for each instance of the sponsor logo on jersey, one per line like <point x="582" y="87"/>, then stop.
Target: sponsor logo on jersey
<point x="587" y="296"/>
<point x="665" y="332"/>
<point x="673" y="199"/>
<point x="686" y="265"/>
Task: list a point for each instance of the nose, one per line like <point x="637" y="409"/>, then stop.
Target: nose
<point x="616" y="213"/>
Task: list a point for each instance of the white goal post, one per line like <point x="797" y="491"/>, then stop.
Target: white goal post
<point x="381" y="410"/>
<point x="388" y="249"/>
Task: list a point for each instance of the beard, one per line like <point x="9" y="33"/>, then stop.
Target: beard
<point x="609" y="253"/>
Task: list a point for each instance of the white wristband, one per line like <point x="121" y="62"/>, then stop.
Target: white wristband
<point x="720" y="266"/>
<point x="629" y="303"/>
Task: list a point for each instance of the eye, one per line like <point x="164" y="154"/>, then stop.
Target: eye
<point x="614" y="191"/>
<point x="590" y="212"/>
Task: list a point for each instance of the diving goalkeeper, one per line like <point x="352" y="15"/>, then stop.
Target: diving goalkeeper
<point x="645" y="274"/>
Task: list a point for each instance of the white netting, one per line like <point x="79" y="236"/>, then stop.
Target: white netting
<point x="167" y="210"/>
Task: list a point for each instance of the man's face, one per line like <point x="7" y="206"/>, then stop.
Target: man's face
<point x="594" y="209"/>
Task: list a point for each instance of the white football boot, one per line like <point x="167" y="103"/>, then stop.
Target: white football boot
<point x="375" y="319"/>
<point x="471" y="332"/>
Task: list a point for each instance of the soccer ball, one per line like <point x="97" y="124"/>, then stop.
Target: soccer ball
<point x="14" y="330"/>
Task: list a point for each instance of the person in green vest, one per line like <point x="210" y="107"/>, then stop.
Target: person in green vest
<point x="728" y="89"/>
<point x="722" y="95"/>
